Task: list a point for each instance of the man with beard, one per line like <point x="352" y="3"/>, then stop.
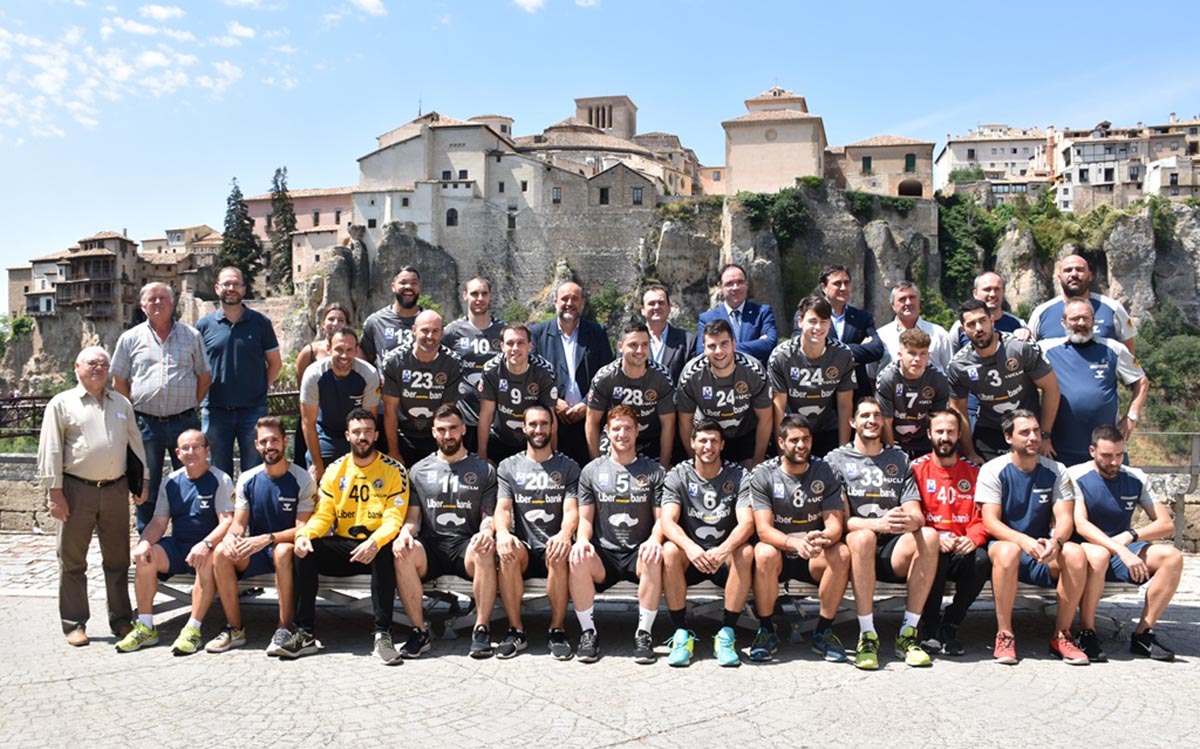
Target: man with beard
<point x="331" y="388"/>
<point x="729" y="388"/>
<point x="418" y="378"/>
<point x="946" y="482"/>
<point x="271" y="501"/>
<point x="388" y="327"/>
<point x="513" y="381"/>
<point x="243" y="355"/>
<point x="455" y="491"/>
<point x="989" y="289"/>
<point x="812" y="375"/>
<point x="1005" y="374"/>
<point x="886" y="534"/>
<point x="708" y="523"/>
<point x="475" y="337"/>
<point x="643" y="385"/>
<point x="669" y="346"/>
<point x="909" y="388"/>
<point x="537" y="511"/>
<point x="1075" y="277"/>
<point x="1115" y="550"/>
<point x="1088" y="368"/>
<point x="577" y="349"/>
<point x="1027" y="502"/>
<point x="619" y="537"/>
<point x="363" y="500"/>
<point x="798" y="502"/>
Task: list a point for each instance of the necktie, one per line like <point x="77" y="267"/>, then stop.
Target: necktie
<point x="735" y="317"/>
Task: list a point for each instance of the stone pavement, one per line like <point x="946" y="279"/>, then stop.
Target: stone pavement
<point x="54" y="695"/>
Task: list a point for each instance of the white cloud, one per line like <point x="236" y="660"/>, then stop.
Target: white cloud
<point x="160" y="13"/>
<point x="242" y="32"/>
<point x="530" y="6"/>
<point x="284" y="49"/>
<point x="224" y="41"/>
<point x="227" y="75"/>
<point x="180" y="36"/>
<point x="134" y="27"/>
<point x="153" y="59"/>
<point x="587" y="3"/>
<point x="370" y="7"/>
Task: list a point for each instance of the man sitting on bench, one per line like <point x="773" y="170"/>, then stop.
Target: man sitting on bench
<point x="537" y="511"/>
<point x="272" y="499"/>
<point x="455" y="491"/>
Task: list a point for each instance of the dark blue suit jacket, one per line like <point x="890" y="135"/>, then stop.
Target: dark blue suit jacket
<point x="591" y="352"/>
<point x="757" y="336"/>
<point x="858" y="327"/>
<point x="677" y="350"/>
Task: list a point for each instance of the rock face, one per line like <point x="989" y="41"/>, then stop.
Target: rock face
<point x="1177" y="267"/>
<point x="1027" y="276"/>
<point x="1130" y="257"/>
<point x="44" y="359"/>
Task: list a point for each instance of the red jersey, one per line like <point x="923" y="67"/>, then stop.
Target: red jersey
<point x="948" y="497"/>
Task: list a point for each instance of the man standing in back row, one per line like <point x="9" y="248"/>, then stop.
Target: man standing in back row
<point x="753" y="324"/>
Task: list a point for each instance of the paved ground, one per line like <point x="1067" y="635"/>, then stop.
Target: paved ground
<point x="54" y="695"/>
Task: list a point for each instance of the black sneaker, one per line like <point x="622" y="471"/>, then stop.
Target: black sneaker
<point x="589" y="647"/>
<point x="1146" y="645"/>
<point x="560" y="647"/>
<point x="513" y="643"/>
<point x="300" y="643"/>
<point x="277" y="641"/>
<point x="481" y="642"/>
<point x="418" y="642"/>
<point x="948" y="637"/>
<point x="1089" y="642"/>
<point x="643" y="648"/>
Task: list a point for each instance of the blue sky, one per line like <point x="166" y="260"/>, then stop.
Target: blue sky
<point x="132" y="115"/>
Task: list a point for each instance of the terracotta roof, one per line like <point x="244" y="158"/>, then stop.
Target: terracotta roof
<point x="312" y="192"/>
<point x="99" y="252"/>
<point x="490" y="117"/>
<point x="772" y="115"/>
<point x="574" y="122"/>
<point x="161" y="258"/>
<point x="54" y="256"/>
<point x="835" y="150"/>
<point x="889" y="140"/>
<point x="107" y="235"/>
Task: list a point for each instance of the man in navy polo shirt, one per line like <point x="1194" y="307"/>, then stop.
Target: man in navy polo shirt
<point x="243" y="355"/>
<point x="331" y="389"/>
<point x="197" y="500"/>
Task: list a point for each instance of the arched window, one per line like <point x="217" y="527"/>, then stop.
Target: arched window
<point x="452" y="217"/>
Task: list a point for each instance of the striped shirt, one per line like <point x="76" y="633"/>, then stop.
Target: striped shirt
<point x="162" y="374"/>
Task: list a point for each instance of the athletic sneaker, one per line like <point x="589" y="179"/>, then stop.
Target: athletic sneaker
<point x="643" y="648"/>
<point x="867" y="655"/>
<point x="589" y="647"/>
<point x="229" y="639"/>
<point x="1089" y="642"/>
<point x="188" y="641"/>
<point x="419" y="641"/>
<point x="277" y="640"/>
<point x="299" y="643"/>
<point x="908" y="649"/>
<point x="1064" y="648"/>
<point x="827" y="645"/>
<point x="139" y="637"/>
<point x="725" y="648"/>
<point x="560" y="647"/>
<point x="683" y="645"/>
<point x="481" y="642"/>
<point x="1146" y="645"/>
<point x="513" y="643"/>
<point x="948" y="637"/>
<point x="765" y="645"/>
<point x="1005" y="651"/>
<point x="385" y="649"/>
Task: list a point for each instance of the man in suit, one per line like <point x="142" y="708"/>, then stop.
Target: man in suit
<point x="753" y="323"/>
<point x="669" y="346"/>
<point x="852" y="326"/>
<point x="577" y="348"/>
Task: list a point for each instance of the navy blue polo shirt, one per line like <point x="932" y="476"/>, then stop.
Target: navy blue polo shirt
<point x="237" y="356"/>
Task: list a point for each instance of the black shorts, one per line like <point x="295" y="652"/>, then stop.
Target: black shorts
<point x="618" y="566"/>
<point x="738" y="449"/>
<point x="694" y="576"/>
<point x="445" y="557"/>
<point x="536" y="569"/>
<point x="498" y="449"/>
<point x="885" y="544"/>
<point x="797" y="568"/>
<point x="989" y="443"/>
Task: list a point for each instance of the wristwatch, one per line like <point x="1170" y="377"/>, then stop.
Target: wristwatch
<point x="1133" y="535"/>
<point x="1045" y="435"/>
<point x="208" y="544"/>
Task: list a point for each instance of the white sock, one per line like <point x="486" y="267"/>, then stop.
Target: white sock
<point x="911" y="619"/>
<point x="147" y="620"/>
<point x="585" y="618"/>
<point x="866" y="623"/>
<point x="194" y="622"/>
<point x="646" y="619"/>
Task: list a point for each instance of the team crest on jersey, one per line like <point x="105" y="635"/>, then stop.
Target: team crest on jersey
<point x="470" y="479"/>
<point x="727" y="487"/>
<point x="503" y="385"/>
<point x="533" y="389"/>
<point x="851" y="471"/>
<point x="706" y="392"/>
<point x="1011" y="364"/>
<point x="927" y="392"/>
<point x="891" y="469"/>
<point x="431" y="476"/>
<point x="795" y="373"/>
<point x="464" y="343"/>
<point x="342" y="484"/>
<point x="378" y="484"/>
<point x="831" y="373"/>
<point x="643" y="481"/>
<point x="899" y="390"/>
<point x="964" y="485"/>
<point x="389" y="333"/>
<point x="287" y="505"/>
<point x="741" y="387"/>
<point x="520" y="479"/>
<point x="439" y="378"/>
<point x="973" y="373"/>
<point x="205" y="501"/>
<point x="650" y="396"/>
<point x="930" y="486"/>
<point x="818" y="487"/>
<point x="779" y="491"/>
<point x="555" y="477"/>
<point x="406" y="375"/>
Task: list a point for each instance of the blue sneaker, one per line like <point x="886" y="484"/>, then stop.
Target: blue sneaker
<point x="682" y="644"/>
<point x="765" y="645"/>
<point x="827" y="645"/>
<point x="725" y="648"/>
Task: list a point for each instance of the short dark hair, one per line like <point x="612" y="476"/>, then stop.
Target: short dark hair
<point x="270" y="422"/>
<point x="715" y="328"/>
<point x="635" y="326"/>
<point x="407" y="269"/>
<point x="970" y="305"/>
<point x="829" y="270"/>
<point x="793" y="421"/>
<point x="706" y="424"/>
<point x="817" y="304"/>
<point x="520" y="327"/>
<point x="865" y="400"/>
<point x="657" y="287"/>
<point x="1107" y="432"/>
<point x="727" y="266"/>
<point x="537" y="407"/>
<point x="345" y="330"/>
<point x="361" y="414"/>
<point x="937" y="413"/>
<point x="486" y="282"/>
<point x="447" y="410"/>
<point x="1011" y="419"/>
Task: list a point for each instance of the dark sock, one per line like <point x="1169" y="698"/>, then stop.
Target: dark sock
<point x="678" y="618"/>
<point x="767" y="622"/>
<point x="731" y="618"/>
<point x="823" y="624"/>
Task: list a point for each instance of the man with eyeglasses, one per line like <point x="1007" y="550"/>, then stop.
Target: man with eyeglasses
<point x="753" y="323"/>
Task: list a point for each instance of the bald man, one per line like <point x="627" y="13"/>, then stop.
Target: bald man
<point x="989" y="289"/>
<point x="418" y="377"/>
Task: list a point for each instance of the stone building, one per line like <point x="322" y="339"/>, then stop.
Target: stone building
<point x="99" y="277"/>
<point x="775" y="143"/>
<point x="885" y="164"/>
<point x="1000" y="151"/>
<point x="20" y="280"/>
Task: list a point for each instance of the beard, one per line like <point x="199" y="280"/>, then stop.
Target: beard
<point x="945" y="449"/>
<point x="538" y="441"/>
<point x="362" y="449"/>
<point x="271" y="457"/>
<point x="405" y="301"/>
<point x="795" y="459"/>
<point x="1080" y="338"/>
<point x="991" y="337"/>
<point x="449" y="447"/>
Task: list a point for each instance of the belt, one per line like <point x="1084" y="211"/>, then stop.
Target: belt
<point x="191" y="412"/>
<point x="98" y="484"/>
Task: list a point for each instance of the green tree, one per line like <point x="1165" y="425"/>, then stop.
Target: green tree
<point x="240" y="247"/>
<point x="283" y="223"/>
